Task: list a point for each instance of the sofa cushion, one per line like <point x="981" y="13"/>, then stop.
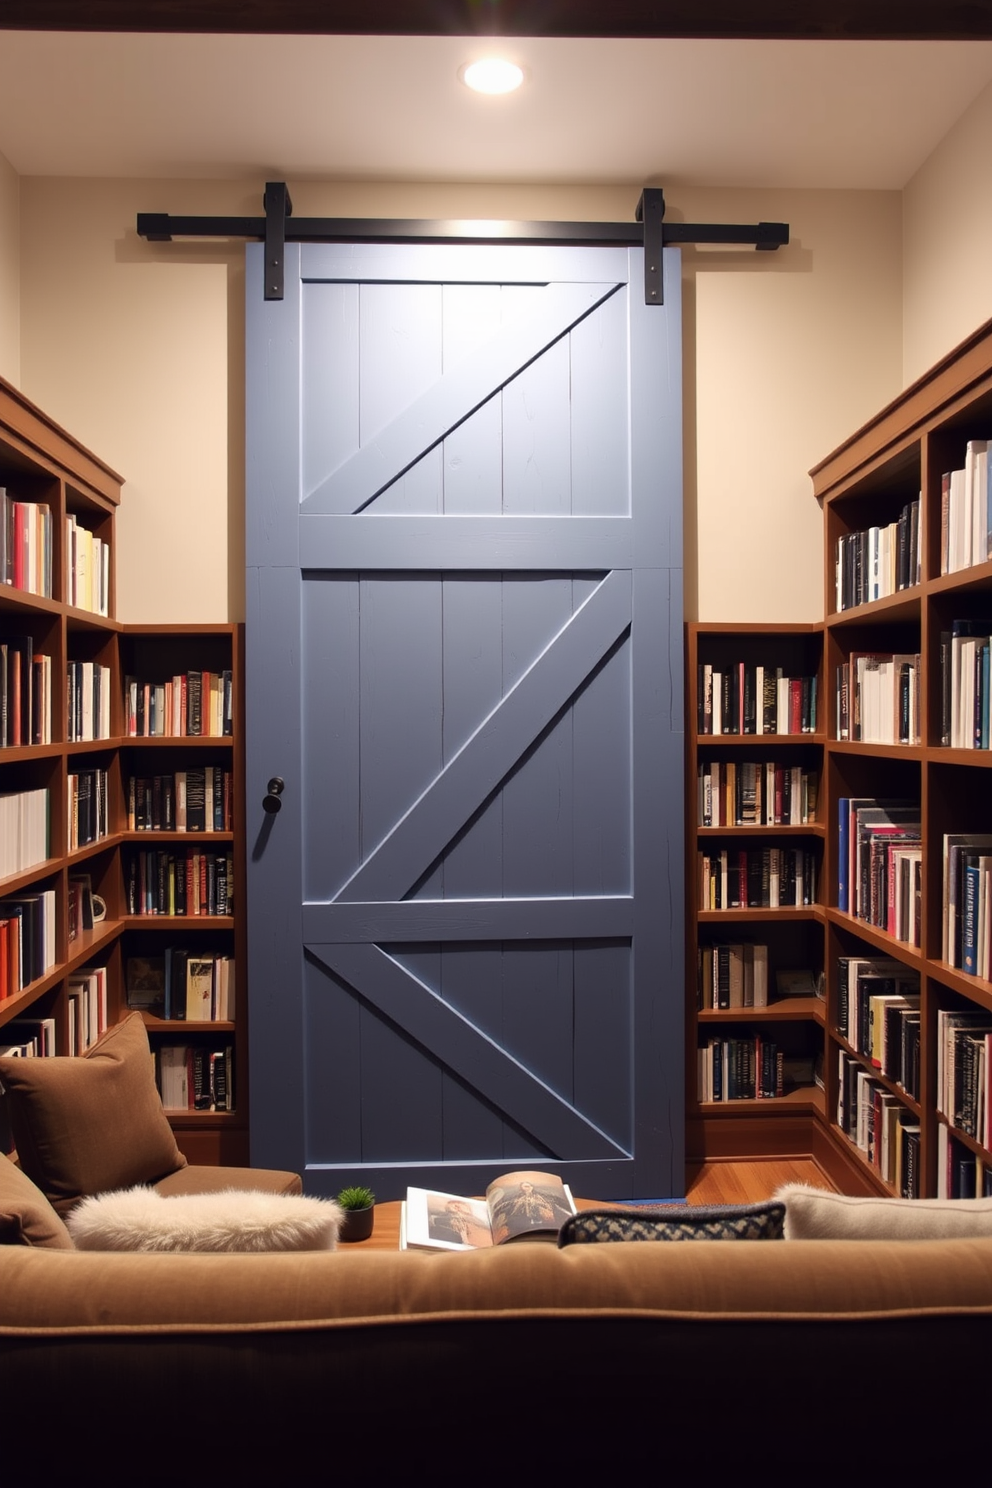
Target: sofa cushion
<point x="87" y="1124"/>
<point x="26" y="1216"/>
<point x="676" y="1222"/>
<point x="201" y="1178"/>
<point x="816" y="1214"/>
<point x="234" y="1219"/>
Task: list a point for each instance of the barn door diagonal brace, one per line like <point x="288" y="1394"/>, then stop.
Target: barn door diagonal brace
<point x="279" y="226"/>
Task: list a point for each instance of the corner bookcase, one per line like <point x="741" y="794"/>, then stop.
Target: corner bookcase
<point x="898" y="935"/>
<point x="922" y="455"/>
<point x="68" y="848"/>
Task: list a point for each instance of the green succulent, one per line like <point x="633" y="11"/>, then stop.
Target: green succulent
<point x="356" y="1197"/>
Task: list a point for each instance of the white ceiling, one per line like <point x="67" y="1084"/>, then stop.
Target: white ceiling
<point x="716" y="113"/>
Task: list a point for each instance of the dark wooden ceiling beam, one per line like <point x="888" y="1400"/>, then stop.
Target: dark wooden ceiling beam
<point x="857" y="20"/>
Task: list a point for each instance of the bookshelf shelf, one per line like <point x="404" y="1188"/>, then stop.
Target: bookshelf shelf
<point x="180" y="1025"/>
<point x="60" y="641"/>
<point x="810" y="913"/>
<point x="781" y="1010"/>
<point x="178" y="922"/>
<point x="805" y="1098"/>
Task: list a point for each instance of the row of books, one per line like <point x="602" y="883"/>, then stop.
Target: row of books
<point x="964" y="1042"/>
<point x="733" y="976"/>
<point x="741" y="1068"/>
<point x="745" y="699"/>
<point x="24" y="830"/>
<point x="87" y="998"/>
<point x="879" y="561"/>
<point x="88" y="811"/>
<point x="878" y="698"/>
<point x="28" y="1038"/>
<point x="200" y="799"/>
<point x="25" y="693"/>
<point x="757" y="878"/>
<point x="27" y="939"/>
<point x="195" y="703"/>
<point x="25" y="544"/>
<point x="195" y="1077"/>
<point x="87" y="701"/>
<point x="878" y="1013"/>
<point x="881" y="1127"/>
<point x="749" y="793"/>
<point x="966" y="919"/>
<point x="87" y="568"/>
<point x="190" y="883"/>
<point x="961" y="1173"/>
<point x="966" y="511"/>
<point x="880" y="864"/>
<point x="966" y="685"/>
<point x="193" y="985"/>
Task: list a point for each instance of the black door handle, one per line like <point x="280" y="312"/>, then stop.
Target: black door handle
<point x="270" y="801"/>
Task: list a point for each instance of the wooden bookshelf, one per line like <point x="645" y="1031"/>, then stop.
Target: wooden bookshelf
<point x="738" y="1124"/>
<point x="154" y="654"/>
<point x="901" y="456"/>
<point x="894" y="586"/>
<point x="70" y="627"/>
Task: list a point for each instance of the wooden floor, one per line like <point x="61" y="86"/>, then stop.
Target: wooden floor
<point x="748" y="1182"/>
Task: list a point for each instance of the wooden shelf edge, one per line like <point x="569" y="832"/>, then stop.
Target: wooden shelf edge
<point x="782" y="1010"/>
<point x="814" y="912"/>
<point x="807" y="829"/>
<point x="807" y="1098"/>
<point x="177" y="922"/>
<point x="154" y="1024"/>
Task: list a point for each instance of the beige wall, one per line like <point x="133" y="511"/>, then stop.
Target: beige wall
<point x="792" y="351"/>
<point x="947" y="248"/>
<point x="10" y="273"/>
<point x="137" y="348"/>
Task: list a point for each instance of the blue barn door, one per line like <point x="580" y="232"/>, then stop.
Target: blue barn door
<point x="464" y="626"/>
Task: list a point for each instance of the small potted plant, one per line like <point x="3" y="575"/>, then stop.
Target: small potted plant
<point x="358" y="1204"/>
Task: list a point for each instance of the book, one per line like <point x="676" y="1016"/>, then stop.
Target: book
<point x="523" y="1205"/>
<point x="800" y="983"/>
<point x="199" y="988"/>
<point x="145" y="979"/>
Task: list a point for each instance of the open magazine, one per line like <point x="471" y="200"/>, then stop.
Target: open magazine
<point x="517" y="1206"/>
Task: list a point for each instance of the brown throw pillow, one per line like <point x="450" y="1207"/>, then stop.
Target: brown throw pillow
<point x="89" y="1124"/>
<point x="26" y="1216"/>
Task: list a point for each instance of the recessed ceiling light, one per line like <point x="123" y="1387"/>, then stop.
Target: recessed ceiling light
<point x="492" y="75"/>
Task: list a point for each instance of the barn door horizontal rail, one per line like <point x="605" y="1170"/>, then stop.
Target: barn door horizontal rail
<point x="279" y="226"/>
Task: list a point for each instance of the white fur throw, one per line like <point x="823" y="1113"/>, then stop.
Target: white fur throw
<point x="235" y="1219"/>
<point x="815" y="1214"/>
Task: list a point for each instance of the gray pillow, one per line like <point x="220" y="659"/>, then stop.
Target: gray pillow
<point x="764" y="1221"/>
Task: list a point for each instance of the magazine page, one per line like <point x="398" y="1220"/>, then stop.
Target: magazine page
<point x="527" y="1204"/>
<point x="442" y="1221"/>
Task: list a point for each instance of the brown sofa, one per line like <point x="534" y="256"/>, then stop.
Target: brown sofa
<point x="818" y="1361"/>
<point x="745" y="1360"/>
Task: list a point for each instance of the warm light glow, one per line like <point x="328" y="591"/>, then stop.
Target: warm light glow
<point x="492" y="75"/>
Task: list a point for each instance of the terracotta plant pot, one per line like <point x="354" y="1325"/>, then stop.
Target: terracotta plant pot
<point x="357" y="1224"/>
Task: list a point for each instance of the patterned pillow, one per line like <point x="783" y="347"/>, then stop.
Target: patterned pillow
<point x="677" y="1222"/>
